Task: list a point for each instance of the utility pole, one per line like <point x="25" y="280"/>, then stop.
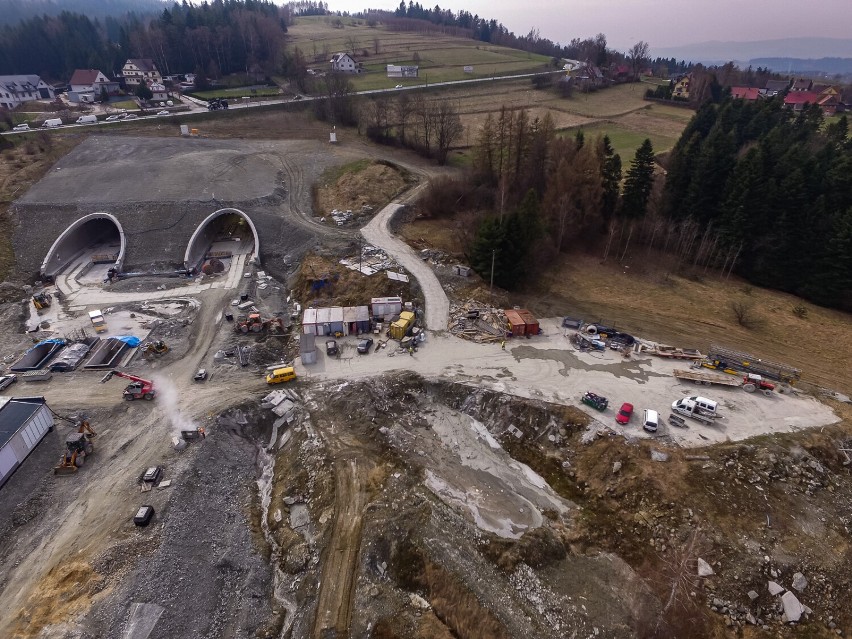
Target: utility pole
<point x="491" y="288"/>
<point x="360" y="253"/>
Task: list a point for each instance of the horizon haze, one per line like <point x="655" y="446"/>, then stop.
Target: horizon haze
<point x="664" y="24"/>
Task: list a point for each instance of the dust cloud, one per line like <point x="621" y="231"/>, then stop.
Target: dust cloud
<point x="168" y="400"/>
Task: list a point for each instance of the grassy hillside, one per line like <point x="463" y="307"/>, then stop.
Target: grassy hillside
<point x="441" y="58"/>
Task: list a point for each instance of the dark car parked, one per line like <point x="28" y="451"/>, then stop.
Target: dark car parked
<point x="365" y="345"/>
<point x="331" y="348"/>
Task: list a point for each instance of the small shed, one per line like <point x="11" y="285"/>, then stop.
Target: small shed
<point x="356" y="319"/>
<point x="309" y="321"/>
<point x="521" y="322"/>
<point x="459" y="269"/>
<point x="384" y="308"/>
<point x="24" y="421"/>
<point x="308" y="348"/>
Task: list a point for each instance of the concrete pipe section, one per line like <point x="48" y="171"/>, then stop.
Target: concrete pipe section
<point x="224" y="238"/>
<point x="92" y="244"/>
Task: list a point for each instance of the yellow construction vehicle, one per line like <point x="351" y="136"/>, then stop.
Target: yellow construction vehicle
<point x="41" y="300"/>
<point x="155" y="348"/>
<point x="78" y="446"/>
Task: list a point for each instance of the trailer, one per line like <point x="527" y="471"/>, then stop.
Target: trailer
<point x="749" y="383"/>
<point x="736" y="362"/>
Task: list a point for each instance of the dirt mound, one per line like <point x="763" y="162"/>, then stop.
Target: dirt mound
<point x="371" y="184"/>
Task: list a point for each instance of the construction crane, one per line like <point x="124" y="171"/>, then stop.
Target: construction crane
<point x="138" y="388"/>
<point x="78" y="446"/>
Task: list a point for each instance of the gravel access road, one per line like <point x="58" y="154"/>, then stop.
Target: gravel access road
<point x="378" y="233"/>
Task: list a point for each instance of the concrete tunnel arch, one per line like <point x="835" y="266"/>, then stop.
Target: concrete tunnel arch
<point x="73" y="241"/>
<point x="198" y="243"/>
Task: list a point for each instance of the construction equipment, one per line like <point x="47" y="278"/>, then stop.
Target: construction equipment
<point x="41" y="300"/>
<point x="98" y="321"/>
<point x="78" y="446"/>
<point x="254" y="323"/>
<point x="138" y="388"/>
<point x="735" y="362"/>
<point x="155" y="349"/>
<point x="598" y="402"/>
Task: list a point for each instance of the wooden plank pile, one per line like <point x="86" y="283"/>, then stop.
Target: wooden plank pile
<point x="478" y="322"/>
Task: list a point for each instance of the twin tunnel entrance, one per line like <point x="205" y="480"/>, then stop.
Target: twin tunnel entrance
<point x="100" y="239"/>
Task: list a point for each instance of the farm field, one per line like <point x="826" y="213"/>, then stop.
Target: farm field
<point x="441" y="58"/>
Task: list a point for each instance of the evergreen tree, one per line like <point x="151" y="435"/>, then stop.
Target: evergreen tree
<point x="610" y="171"/>
<point x="639" y="182"/>
<point x="143" y="92"/>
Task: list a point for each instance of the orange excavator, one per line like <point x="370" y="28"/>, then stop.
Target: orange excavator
<point x="254" y="323"/>
<point x="78" y="446"/>
<point x="138" y="388"/>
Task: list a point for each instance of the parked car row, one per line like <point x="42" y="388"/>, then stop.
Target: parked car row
<point x="51" y="123"/>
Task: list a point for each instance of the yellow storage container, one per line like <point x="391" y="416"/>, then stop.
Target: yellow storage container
<point x="400" y="327"/>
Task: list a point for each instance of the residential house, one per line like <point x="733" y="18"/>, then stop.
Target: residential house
<point x="774" y="87"/>
<point x="749" y="94"/>
<point x="158" y="89"/>
<point x="830" y="103"/>
<point x="797" y="100"/>
<point x="680" y="91"/>
<point x="17" y="89"/>
<point x="86" y="85"/>
<point x="588" y="77"/>
<point x="137" y="69"/>
<point x="344" y="63"/>
<point x="801" y="85"/>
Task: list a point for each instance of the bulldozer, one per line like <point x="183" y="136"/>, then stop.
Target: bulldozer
<point x="254" y="323"/>
<point x="78" y="446"/>
<point x="155" y="349"/>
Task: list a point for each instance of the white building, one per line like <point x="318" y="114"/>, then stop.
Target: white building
<point x="137" y="69"/>
<point x="160" y="94"/>
<point x="23" y="424"/>
<point x="18" y="89"/>
<point x="397" y="71"/>
<point x="343" y="63"/>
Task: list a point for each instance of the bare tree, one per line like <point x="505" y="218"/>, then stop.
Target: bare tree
<point x="638" y="55"/>
<point x="447" y="128"/>
<point x="352" y="44"/>
<point x="745" y="314"/>
<point x="404" y="109"/>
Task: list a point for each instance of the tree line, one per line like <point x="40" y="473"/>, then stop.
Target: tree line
<point x="750" y="188"/>
<point x="221" y="37"/>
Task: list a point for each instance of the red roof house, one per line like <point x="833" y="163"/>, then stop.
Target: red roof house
<point x="745" y="93"/>
<point x="797" y="100"/>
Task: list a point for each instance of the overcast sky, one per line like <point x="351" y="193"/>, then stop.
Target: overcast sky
<point x="661" y="23"/>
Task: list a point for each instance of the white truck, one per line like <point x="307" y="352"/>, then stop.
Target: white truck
<point x="698" y="408"/>
<point x="51" y="123"/>
<point x="87" y="119"/>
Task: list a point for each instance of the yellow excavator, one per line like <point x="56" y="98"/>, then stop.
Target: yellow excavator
<point x="78" y="446"/>
<point x="155" y="349"/>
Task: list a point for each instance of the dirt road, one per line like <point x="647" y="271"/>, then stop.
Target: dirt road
<point x="334" y="604"/>
<point x="378" y="233"/>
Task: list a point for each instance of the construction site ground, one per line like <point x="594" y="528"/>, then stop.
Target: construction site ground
<point x="459" y="491"/>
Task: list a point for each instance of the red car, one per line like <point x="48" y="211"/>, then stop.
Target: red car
<point x="623" y="415"/>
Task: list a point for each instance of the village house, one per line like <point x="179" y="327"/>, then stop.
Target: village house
<point x="774" y="87"/>
<point x="344" y="63"/>
<point x="18" y="89"/>
<point x="86" y="85"/>
<point x="137" y="69"/>
<point x="749" y="94"/>
<point x="681" y="87"/>
<point x="801" y="85"/>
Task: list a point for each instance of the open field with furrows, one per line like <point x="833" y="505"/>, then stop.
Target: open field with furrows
<point x="441" y="58"/>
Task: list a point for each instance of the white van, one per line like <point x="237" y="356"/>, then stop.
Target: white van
<point x="87" y="119"/>
<point x="52" y="122"/>
<point x="695" y="404"/>
<point x="650" y="420"/>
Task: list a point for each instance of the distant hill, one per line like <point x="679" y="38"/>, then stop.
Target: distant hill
<point x="792" y="48"/>
<point x="13" y="11"/>
<point x="828" y="66"/>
